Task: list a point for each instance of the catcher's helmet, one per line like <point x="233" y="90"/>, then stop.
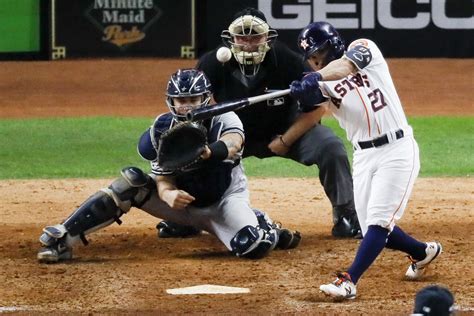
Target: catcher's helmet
<point x="248" y="26"/>
<point x="187" y="83"/>
<point x="318" y="36"/>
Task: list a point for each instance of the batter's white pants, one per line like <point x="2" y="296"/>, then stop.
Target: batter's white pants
<point x="383" y="181"/>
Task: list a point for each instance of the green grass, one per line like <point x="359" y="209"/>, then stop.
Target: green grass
<point x="446" y="149"/>
<point x="72" y="147"/>
<point x="100" y="147"/>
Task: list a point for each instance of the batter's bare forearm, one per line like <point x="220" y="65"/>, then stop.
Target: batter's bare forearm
<point x="303" y="123"/>
<point x="338" y="69"/>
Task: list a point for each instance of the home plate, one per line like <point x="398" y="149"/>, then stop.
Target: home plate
<point x="208" y="289"/>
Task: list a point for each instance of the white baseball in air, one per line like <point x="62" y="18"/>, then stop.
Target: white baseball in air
<point x="223" y="54"/>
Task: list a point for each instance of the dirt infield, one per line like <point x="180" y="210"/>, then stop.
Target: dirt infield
<point x="126" y="269"/>
<point x="136" y="88"/>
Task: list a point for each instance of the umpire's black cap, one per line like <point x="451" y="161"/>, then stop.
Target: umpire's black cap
<point x="434" y="300"/>
<point x="251" y="11"/>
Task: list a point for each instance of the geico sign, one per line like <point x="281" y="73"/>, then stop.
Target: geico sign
<point x="307" y="11"/>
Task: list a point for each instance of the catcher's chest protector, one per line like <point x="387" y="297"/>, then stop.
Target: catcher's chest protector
<point x="210" y="180"/>
<point x="206" y="181"/>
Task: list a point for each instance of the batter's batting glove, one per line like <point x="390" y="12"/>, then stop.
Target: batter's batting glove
<point x="312" y="79"/>
<point x="307" y="90"/>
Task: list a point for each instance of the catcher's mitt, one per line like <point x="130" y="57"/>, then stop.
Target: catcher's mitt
<point x="181" y="146"/>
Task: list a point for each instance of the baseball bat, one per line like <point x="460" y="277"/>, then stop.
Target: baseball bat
<point x="223" y="107"/>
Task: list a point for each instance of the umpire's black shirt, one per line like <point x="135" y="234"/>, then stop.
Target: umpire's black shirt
<point x="262" y="121"/>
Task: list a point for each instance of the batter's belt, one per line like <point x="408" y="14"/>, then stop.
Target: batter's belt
<point x="380" y="141"/>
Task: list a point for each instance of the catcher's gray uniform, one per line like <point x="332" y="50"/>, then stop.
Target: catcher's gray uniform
<point x="221" y="206"/>
<point x="232" y="211"/>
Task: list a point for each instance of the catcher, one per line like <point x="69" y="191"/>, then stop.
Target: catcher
<point x="196" y="179"/>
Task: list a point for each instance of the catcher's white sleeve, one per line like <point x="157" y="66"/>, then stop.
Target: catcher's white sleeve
<point x="231" y="124"/>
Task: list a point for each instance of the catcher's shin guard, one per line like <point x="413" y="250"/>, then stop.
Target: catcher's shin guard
<point x="109" y="204"/>
<point x="287" y="239"/>
<point x="96" y="212"/>
<point x="99" y="210"/>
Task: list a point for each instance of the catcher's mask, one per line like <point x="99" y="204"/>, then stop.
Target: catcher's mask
<point x="249" y="38"/>
<point x="321" y="37"/>
<point x="188" y="89"/>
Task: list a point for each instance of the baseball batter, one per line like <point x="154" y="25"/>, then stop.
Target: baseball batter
<point x="359" y="90"/>
<point x="211" y="195"/>
<point x="254" y="63"/>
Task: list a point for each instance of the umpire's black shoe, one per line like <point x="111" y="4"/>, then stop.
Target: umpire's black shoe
<point x="347" y="226"/>
<point x="167" y="229"/>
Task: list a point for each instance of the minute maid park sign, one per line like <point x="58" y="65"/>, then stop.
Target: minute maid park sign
<point x="123" y="22"/>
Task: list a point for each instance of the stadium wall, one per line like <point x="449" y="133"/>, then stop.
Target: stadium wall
<point x="56" y="29"/>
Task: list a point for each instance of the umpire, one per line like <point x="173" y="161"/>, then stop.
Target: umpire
<point x="278" y="127"/>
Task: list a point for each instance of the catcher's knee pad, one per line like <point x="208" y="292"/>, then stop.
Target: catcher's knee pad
<point x="109" y="204"/>
<point x="252" y="242"/>
<point x="132" y="189"/>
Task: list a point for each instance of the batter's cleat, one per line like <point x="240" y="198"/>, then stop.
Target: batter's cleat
<point x="288" y="239"/>
<point x="347" y="226"/>
<point x="54" y="254"/>
<point x="167" y="229"/>
<point x="341" y="288"/>
<point x="418" y="268"/>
